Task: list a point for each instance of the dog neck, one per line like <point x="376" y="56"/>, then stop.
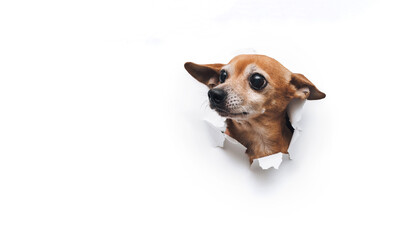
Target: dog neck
<point x="262" y="136"/>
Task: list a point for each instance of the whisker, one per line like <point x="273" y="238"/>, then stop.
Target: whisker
<point x="243" y="109"/>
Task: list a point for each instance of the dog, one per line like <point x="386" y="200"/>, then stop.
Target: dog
<point x="253" y="92"/>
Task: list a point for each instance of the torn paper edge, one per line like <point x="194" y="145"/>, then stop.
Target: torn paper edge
<point x="294" y="111"/>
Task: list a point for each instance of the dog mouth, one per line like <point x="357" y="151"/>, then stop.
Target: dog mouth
<point x="225" y="113"/>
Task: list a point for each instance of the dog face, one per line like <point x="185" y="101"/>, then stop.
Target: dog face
<point x="251" y="85"/>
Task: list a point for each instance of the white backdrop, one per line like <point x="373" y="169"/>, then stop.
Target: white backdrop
<point x="101" y="131"/>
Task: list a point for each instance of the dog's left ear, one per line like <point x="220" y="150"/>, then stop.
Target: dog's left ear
<point x="304" y="88"/>
<point x="208" y="74"/>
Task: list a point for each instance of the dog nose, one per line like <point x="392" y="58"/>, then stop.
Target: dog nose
<point x="217" y="95"/>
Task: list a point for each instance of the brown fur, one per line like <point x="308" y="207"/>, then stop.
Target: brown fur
<point x="263" y="131"/>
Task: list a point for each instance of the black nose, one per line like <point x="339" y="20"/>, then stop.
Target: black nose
<point x="216" y="95"/>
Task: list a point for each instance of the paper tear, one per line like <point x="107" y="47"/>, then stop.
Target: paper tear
<point x="267" y="162"/>
<point x="217" y="134"/>
<point x="294" y="111"/>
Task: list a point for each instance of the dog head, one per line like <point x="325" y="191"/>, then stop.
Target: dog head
<point x="251" y="85"/>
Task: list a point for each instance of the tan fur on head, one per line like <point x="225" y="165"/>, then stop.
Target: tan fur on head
<point x="255" y="112"/>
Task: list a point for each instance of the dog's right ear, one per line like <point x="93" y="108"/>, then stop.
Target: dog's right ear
<point x="305" y="89"/>
<point x="207" y="74"/>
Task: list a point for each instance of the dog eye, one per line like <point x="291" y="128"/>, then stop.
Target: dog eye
<point x="223" y="76"/>
<point x="257" y="81"/>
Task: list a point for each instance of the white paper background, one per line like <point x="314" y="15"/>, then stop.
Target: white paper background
<point x="101" y="131"/>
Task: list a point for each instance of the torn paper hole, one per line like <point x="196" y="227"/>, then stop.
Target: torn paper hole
<point x="294" y="111"/>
